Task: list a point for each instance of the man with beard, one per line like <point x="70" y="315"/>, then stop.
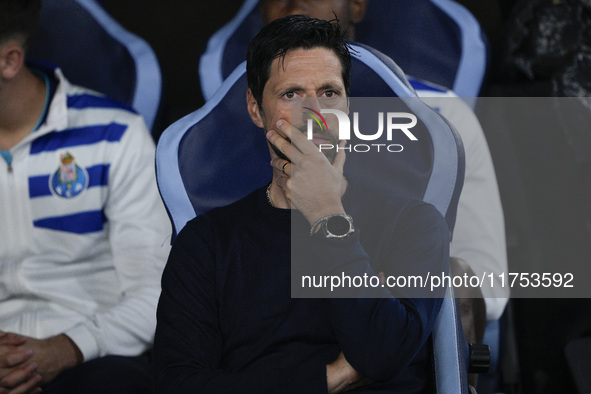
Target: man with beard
<point x="226" y="319"/>
<point x="478" y="246"/>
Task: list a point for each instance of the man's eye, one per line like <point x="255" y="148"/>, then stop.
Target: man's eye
<point x="330" y="94"/>
<point x="289" y="95"/>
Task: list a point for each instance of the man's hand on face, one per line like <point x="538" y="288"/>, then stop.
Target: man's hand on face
<point x="18" y="373"/>
<point x="319" y="185"/>
<point x="50" y="356"/>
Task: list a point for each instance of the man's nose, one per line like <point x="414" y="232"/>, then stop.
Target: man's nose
<point x="312" y="102"/>
<point x="309" y="104"/>
<point x="309" y="108"/>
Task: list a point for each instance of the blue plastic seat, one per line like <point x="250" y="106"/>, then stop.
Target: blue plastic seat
<point x="195" y="155"/>
<point x="95" y="51"/>
<point x="434" y="40"/>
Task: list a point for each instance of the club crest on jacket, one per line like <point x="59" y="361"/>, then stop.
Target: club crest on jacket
<point x="69" y="180"/>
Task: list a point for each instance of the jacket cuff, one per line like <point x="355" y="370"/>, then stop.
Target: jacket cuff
<point x="85" y="341"/>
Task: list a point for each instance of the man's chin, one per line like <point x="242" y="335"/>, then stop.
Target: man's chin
<point x="330" y="153"/>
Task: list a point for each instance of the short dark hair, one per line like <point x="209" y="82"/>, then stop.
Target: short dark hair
<point x="19" y="19"/>
<point x="289" y="33"/>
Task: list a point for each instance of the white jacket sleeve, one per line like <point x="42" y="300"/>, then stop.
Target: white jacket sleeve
<point x="479" y="234"/>
<point x="139" y="235"/>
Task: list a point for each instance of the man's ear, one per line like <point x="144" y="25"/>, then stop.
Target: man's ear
<point x="358" y="10"/>
<point x="12" y="59"/>
<point x="253" y="109"/>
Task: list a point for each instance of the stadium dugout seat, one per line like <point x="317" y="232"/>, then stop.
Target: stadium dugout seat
<point x="434" y="40"/>
<point x="95" y="51"/>
<point x="193" y="160"/>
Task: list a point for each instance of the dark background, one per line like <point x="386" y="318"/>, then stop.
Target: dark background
<point x="178" y="31"/>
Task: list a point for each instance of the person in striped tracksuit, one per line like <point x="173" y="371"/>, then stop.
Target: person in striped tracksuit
<point x="83" y="232"/>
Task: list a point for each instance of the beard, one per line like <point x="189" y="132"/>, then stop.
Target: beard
<point x="330" y="135"/>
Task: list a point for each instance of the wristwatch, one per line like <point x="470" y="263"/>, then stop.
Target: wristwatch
<point x="339" y="225"/>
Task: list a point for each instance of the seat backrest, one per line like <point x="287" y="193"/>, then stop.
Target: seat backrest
<point x="435" y="176"/>
<point x="195" y="155"/>
<point x="435" y="40"/>
<point x="450" y="349"/>
<point x="95" y="51"/>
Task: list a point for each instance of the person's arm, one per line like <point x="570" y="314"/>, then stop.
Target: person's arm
<point x="378" y="333"/>
<point x="479" y="234"/>
<point x="188" y="344"/>
<point x="138" y="229"/>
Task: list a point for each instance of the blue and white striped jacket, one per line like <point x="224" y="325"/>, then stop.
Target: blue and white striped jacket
<point x="83" y="230"/>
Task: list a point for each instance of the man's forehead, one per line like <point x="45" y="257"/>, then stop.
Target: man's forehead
<point x="319" y="66"/>
<point x="323" y="9"/>
<point x="302" y="57"/>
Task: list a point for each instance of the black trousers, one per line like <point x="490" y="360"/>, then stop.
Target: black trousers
<point x="110" y="374"/>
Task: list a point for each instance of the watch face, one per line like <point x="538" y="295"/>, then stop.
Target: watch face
<point x="338" y="225"/>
